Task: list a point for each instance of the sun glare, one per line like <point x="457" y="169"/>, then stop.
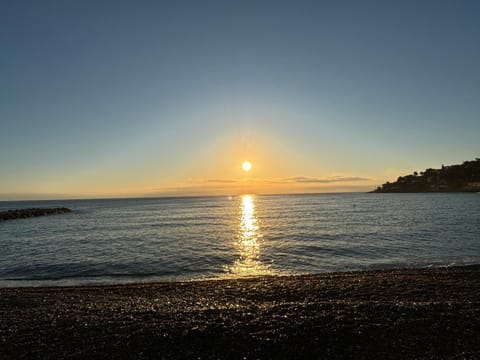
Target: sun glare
<point x="246" y="165"/>
<point x="249" y="243"/>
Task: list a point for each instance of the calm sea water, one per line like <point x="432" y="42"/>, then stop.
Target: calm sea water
<point x="125" y="240"/>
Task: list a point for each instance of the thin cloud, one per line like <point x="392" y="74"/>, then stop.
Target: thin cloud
<point x="334" y="179"/>
<point x="284" y="181"/>
<point x="222" y="181"/>
<point x="219" y="186"/>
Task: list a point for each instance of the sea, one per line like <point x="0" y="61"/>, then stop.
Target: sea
<point x="117" y="241"/>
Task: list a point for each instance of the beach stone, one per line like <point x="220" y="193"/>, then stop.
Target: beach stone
<point x="429" y="313"/>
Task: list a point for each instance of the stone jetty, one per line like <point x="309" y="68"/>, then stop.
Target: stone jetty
<point x="32" y="212"/>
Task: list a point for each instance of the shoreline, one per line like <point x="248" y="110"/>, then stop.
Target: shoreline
<point x="400" y="313"/>
<point x="137" y="280"/>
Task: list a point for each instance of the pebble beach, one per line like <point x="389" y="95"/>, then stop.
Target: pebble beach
<point x="429" y="313"/>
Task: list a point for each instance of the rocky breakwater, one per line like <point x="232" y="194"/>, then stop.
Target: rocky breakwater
<point x="33" y="212"/>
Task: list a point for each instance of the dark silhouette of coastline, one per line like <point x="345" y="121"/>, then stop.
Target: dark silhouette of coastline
<point x="453" y="178"/>
<point x="27" y="213"/>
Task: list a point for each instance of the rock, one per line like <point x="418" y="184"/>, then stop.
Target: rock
<point x="32" y="212"/>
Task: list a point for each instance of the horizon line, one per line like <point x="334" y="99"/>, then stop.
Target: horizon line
<point x="121" y="197"/>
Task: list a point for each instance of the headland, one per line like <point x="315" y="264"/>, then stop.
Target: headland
<point x="463" y="177"/>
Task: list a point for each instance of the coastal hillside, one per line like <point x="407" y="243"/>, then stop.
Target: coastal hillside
<point x="454" y="178"/>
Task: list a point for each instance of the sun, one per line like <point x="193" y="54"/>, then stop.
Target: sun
<point x="246" y="165"/>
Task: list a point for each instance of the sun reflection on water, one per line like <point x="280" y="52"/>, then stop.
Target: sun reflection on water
<point x="248" y="244"/>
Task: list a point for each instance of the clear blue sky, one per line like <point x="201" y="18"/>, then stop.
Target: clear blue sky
<point x="115" y="98"/>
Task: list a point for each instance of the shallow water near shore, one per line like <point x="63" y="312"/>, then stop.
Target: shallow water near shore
<point x="150" y="239"/>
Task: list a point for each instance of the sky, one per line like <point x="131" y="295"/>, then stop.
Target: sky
<point x="161" y="98"/>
